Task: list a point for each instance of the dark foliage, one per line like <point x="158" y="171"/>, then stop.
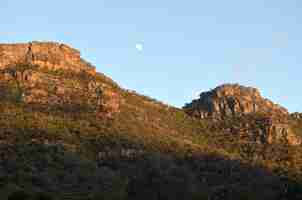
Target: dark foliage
<point x="147" y="151"/>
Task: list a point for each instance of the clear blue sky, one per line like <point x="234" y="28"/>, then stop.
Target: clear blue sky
<point x="188" y="46"/>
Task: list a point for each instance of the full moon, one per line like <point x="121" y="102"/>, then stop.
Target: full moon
<point x="139" y="47"/>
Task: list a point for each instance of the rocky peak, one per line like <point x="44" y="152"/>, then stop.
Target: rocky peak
<point x="55" y="75"/>
<point x="49" y="55"/>
<point x="232" y="100"/>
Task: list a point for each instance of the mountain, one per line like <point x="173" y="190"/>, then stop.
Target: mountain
<point x="236" y="101"/>
<point x="48" y="55"/>
<point x="69" y="132"/>
<point x="78" y="85"/>
<point x="230" y="100"/>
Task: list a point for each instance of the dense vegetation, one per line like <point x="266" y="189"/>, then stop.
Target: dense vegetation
<point x="146" y="151"/>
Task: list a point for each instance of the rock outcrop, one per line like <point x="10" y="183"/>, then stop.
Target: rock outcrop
<point x="54" y="74"/>
<point x="48" y="55"/>
<point x="232" y="100"/>
<point x="268" y="125"/>
<point x="296" y="115"/>
<point x="268" y="130"/>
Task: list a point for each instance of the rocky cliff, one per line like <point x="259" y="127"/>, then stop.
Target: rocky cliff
<point x="236" y="101"/>
<point x="262" y="130"/>
<point x="296" y="115"/>
<point x="49" y="55"/>
<point x="54" y="74"/>
<point x="232" y="100"/>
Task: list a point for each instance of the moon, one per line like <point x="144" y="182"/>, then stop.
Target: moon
<point x="139" y="46"/>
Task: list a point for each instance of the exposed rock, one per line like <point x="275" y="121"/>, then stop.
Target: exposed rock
<point x="52" y="90"/>
<point x="49" y="55"/>
<point x="232" y="100"/>
<point x="112" y="105"/>
<point x="296" y="115"/>
<point x="274" y="131"/>
<point x="270" y="122"/>
<point x="77" y="83"/>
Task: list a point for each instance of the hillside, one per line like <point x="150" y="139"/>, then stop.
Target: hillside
<point x="270" y="123"/>
<point x="69" y="132"/>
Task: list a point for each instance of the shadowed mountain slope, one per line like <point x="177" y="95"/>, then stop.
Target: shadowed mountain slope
<point x="68" y="132"/>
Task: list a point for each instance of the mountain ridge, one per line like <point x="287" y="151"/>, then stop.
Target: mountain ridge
<point x="50" y="55"/>
<point x="67" y="133"/>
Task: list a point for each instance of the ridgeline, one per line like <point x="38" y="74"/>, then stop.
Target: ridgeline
<point x="69" y="132"/>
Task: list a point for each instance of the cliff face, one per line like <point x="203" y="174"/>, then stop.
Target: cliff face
<point x="49" y="55"/>
<point x="296" y="116"/>
<point x="265" y="130"/>
<point x="54" y="74"/>
<point x="232" y="100"/>
<point x="236" y="101"/>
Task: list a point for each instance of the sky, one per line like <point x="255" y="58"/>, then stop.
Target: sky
<point x="173" y="50"/>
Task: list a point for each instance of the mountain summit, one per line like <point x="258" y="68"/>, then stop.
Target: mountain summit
<point x="232" y="100"/>
<point x="49" y="55"/>
<point x="54" y="74"/>
<point x="259" y="118"/>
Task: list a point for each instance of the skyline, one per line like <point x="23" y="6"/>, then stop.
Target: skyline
<point x="172" y="50"/>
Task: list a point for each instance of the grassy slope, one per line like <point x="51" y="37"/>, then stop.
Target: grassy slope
<point x="178" y="157"/>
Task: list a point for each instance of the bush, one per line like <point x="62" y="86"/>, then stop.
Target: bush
<point x="19" y="195"/>
<point x="43" y="196"/>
